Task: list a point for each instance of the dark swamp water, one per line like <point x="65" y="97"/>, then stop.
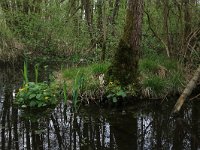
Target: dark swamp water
<point x="144" y="125"/>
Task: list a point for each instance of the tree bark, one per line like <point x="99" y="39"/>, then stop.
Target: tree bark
<point x="165" y="26"/>
<point x="187" y="91"/>
<point x="125" y="65"/>
<point x="89" y="17"/>
<point x="114" y="15"/>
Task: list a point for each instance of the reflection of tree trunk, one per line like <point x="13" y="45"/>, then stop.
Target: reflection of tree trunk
<point x="8" y="98"/>
<point x="158" y="130"/>
<point x="74" y="131"/>
<point x="97" y="127"/>
<point x="27" y="126"/>
<point x="103" y="133"/>
<point x="91" y="132"/>
<point x="178" y="134"/>
<point x="124" y="126"/>
<point x="3" y="121"/>
<point x="15" y="130"/>
<point x="195" y="140"/>
<point x="77" y="130"/>
<point x="70" y="132"/>
<point x="6" y="114"/>
<point x="85" y="135"/>
<point x="57" y="131"/>
<point x="37" y="143"/>
<point x="48" y="135"/>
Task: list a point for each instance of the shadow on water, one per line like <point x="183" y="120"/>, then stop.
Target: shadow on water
<point x="142" y="126"/>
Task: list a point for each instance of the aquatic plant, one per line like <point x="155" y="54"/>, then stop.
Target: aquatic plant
<point x="114" y="91"/>
<point x="77" y="86"/>
<point x="92" y="86"/>
<point x="34" y="94"/>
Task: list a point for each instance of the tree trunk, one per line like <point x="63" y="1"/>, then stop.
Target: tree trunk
<point x="89" y="17"/>
<point x="165" y="26"/>
<point x="101" y="26"/>
<point x="125" y="65"/>
<point x="113" y="16"/>
<point x="188" y="90"/>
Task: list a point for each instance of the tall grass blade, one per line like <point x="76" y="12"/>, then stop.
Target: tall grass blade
<point x="78" y="83"/>
<point x="65" y="92"/>
<point x="25" y="73"/>
<point x="36" y="73"/>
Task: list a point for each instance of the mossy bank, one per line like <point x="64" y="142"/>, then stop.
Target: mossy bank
<point x="159" y="77"/>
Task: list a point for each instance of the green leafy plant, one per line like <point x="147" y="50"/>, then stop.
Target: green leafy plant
<point x="114" y="91"/>
<point x="36" y="95"/>
<point x="65" y="92"/>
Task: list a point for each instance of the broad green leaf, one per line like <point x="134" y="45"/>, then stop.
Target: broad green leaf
<point x="121" y="93"/>
<point x="32" y="104"/>
<point x="40" y="104"/>
<point x="31" y="96"/>
<point x="38" y="96"/>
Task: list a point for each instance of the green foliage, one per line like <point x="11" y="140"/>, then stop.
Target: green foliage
<point x="99" y="68"/>
<point x="36" y="95"/>
<point x="157" y="84"/>
<point x="87" y="71"/>
<point x="10" y="46"/>
<point x="65" y="92"/>
<point x="176" y="81"/>
<point x="76" y="90"/>
<point x="84" y="83"/>
<point x="148" y="65"/>
<point x="160" y="76"/>
<point x="115" y="91"/>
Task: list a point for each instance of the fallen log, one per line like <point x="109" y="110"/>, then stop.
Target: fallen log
<point x="187" y="91"/>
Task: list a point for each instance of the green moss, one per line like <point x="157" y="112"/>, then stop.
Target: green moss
<point x="124" y="68"/>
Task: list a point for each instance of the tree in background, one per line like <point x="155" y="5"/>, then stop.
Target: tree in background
<point x="125" y="65"/>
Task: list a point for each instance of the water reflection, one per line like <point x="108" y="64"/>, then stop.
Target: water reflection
<point x="143" y="126"/>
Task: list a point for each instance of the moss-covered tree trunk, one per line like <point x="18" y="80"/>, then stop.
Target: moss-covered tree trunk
<point x="125" y="65"/>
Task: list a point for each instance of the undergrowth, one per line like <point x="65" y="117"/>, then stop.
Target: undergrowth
<point x="159" y="77"/>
